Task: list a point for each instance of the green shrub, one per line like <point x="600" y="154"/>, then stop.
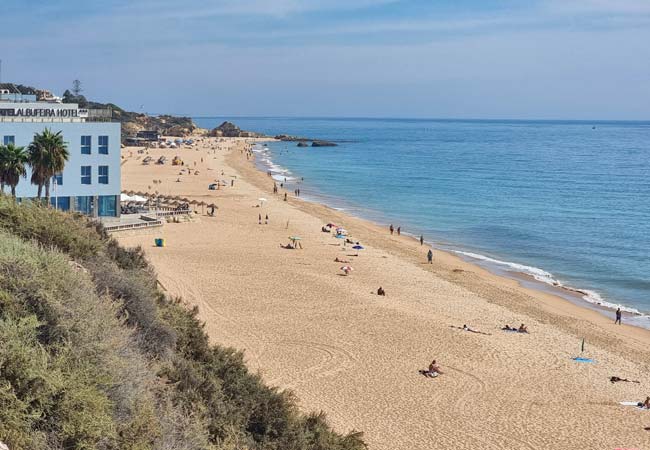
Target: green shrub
<point x="93" y="356"/>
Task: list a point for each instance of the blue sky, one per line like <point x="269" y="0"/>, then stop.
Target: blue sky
<point x="548" y="59"/>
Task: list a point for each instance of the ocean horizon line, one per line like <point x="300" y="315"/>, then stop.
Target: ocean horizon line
<point x="415" y="119"/>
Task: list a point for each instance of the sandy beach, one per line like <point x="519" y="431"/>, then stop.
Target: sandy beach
<point x="355" y="355"/>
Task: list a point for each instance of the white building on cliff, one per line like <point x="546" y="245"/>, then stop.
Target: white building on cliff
<point x="90" y="182"/>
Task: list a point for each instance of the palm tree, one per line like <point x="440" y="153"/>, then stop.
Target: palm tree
<point x="48" y="154"/>
<point x="13" y="160"/>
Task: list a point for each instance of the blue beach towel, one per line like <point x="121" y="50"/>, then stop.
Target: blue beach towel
<point x="584" y="360"/>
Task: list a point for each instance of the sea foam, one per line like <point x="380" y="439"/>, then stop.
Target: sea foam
<point x="545" y="277"/>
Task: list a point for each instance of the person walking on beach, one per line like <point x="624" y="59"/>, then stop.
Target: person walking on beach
<point x="391" y="229"/>
<point x="285" y="196"/>
<point x="266" y="220"/>
<point x="399" y="231"/>
<point x="618" y="316"/>
<point x="259" y="219"/>
<point x="421" y="240"/>
<point x="430" y="257"/>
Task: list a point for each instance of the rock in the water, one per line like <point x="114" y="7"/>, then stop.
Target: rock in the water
<point x="289" y="138"/>
<point x="302" y="144"/>
<point x="323" y="144"/>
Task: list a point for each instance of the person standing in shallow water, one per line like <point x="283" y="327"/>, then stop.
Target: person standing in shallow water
<point x="430" y="257"/>
<point x="618" y="316"/>
<point x="399" y="231"/>
<point x="421" y="240"/>
<point x="391" y="228"/>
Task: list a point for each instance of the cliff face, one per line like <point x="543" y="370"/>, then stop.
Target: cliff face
<point x="165" y="125"/>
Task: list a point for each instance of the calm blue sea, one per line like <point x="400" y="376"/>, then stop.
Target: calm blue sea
<point x="565" y="202"/>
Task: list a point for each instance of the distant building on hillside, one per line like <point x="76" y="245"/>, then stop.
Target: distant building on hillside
<point x="148" y="135"/>
<point x="90" y="182"/>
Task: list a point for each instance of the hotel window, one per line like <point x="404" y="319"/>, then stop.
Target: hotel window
<point x="9" y="140"/>
<point x="84" y="204"/>
<point x="58" y="179"/>
<point x="103" y="175"/>
<point x="103" y="145"/>
<point x="85" y="145"/>
<point x="86" y="177"/>
<point x="107" y="205"/>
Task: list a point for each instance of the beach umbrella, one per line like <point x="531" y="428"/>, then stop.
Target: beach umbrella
<point x="357" y="248"/>
<point x="295" y="238"/>
<point x="262" y="199"/>
<point x="332" y="225"/>
<point x="347" y="269"/>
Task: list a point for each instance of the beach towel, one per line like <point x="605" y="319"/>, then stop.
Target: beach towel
<point x="635" y="404"/>
<point x="584" y="360"/>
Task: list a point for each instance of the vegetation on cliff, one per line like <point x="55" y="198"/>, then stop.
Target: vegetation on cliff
<point x="94" y="356"/>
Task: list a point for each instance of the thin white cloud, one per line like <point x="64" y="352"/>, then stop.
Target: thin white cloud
<point x="274" y="9"/>
<point x="621" y="7"/>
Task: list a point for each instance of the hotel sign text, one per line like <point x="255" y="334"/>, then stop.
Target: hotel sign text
<point x="42" y="112"/>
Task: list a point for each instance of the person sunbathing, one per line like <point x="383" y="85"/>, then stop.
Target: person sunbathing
<point x="288" y="246"/>
<point x="646" y="404"/>
<point x="337" y="259"/>
<point x="471" y="330"/>
<point x="381" y="291"/>
<point x="508" y="328"/>
<point x="522" y="328"/>
<point x="433" y="370"/>
<point x="616" y="379"/>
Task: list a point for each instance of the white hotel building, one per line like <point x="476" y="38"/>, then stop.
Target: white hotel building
<point x="90" y="182"/>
